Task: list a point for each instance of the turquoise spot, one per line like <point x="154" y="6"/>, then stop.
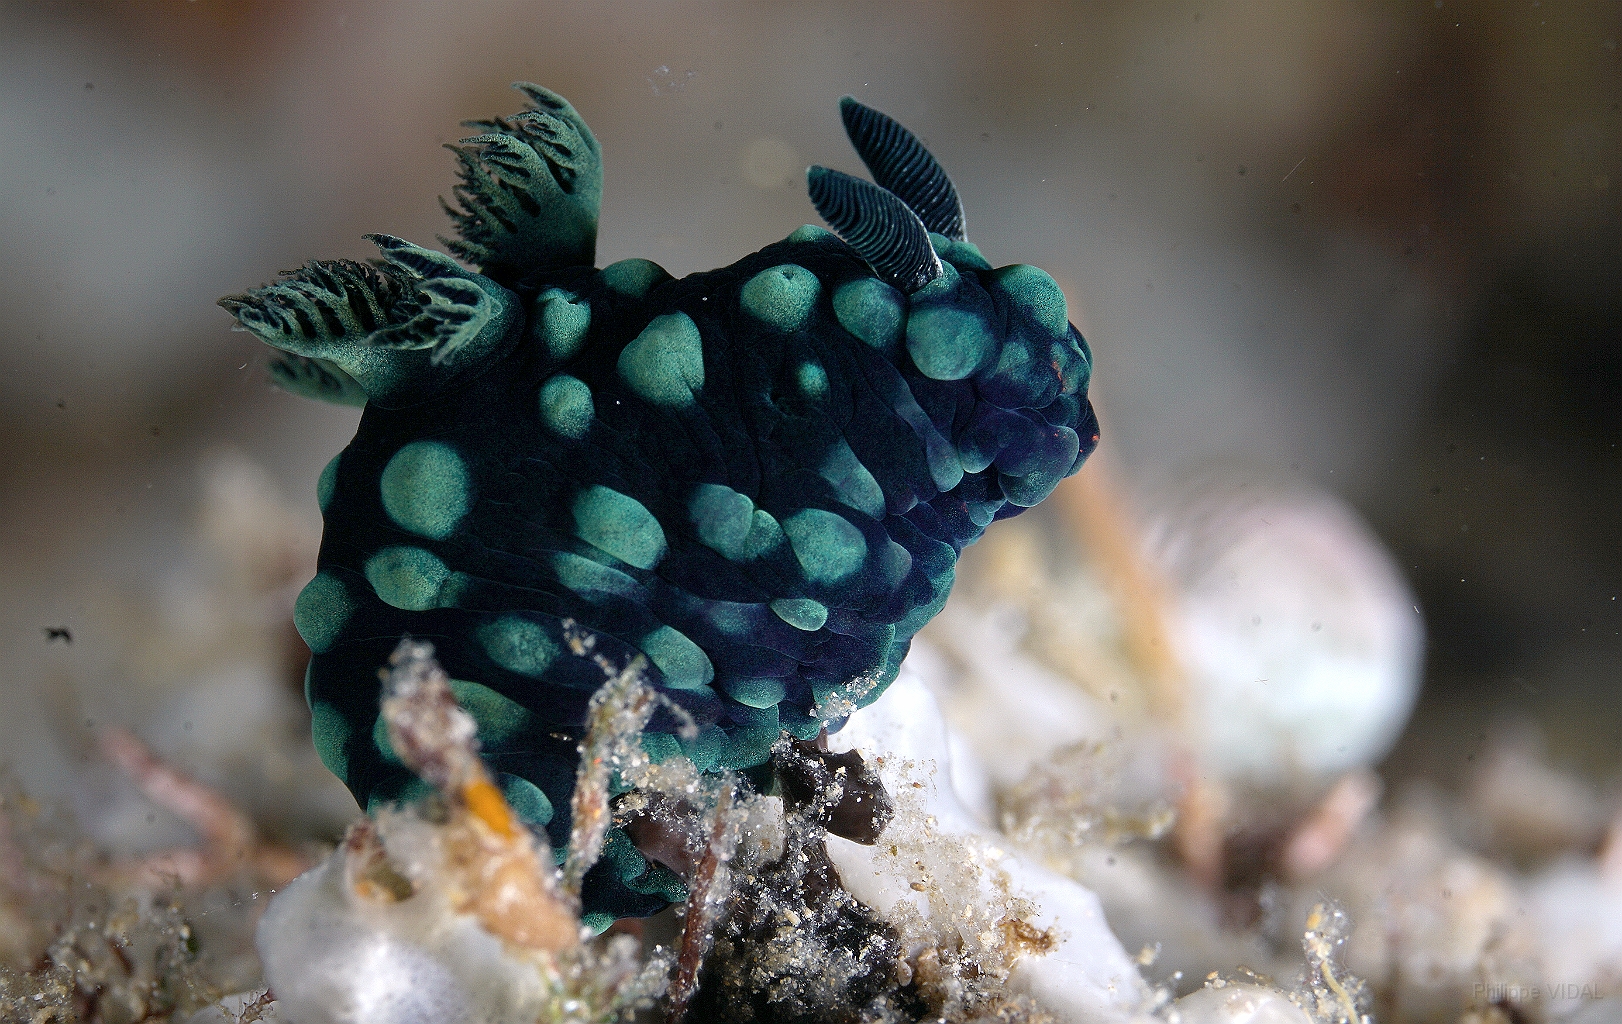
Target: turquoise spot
<point x="1036" y="292"/>
<point x="562" y="321"/>
<point x="731" y="617"/>
<point x="948" y="343"/>
<point x="808" y="233"/>
<point x="620" y="525"/>
<point x="964" y="254"/>
<point x="895" y="562"/>
<point x="525" y="798"/>
<point x="331" y="731"/>
<point x="813" y="380"/>
<point x="633" y="278"/>
<point x="871" y="310"/>
<point x="755" y="692"/>
<point x="518" y="645"/>
<point x="321" y="611"/>
<point x="665" y="363"/>
<point x="800" y="726"/>
<point x="407" y="578"/>
<point x="500" y="719"/>
<point x="743" y="715"/>
<point x="327" y="482"/>
<point x="782" y="296"/>
<point x="660" y="746"/>
<point x="801" y="612"/>
<point x="854" y="482"/>
<point x="705" y="748"/>
<point x="828" y="547"/>
<point x="765" y="536"/>
<point x="380" y="740"/>
<point x="425" y="489"/>
<point x="583" y="575"/>
<point x="684" y="664"/>
<point x="722" y="518"/>
<point x="748" y="747"/>
<point x="566" y="406"/>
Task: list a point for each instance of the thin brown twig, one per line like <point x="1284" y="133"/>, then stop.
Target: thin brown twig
<point x="706" y="892"/>
<point x="230" y="842"/>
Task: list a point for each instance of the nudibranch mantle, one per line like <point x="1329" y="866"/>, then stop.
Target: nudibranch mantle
<point x="758" y="477"/>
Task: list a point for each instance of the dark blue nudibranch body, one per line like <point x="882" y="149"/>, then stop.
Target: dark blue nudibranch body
<point x="759" y="477"/>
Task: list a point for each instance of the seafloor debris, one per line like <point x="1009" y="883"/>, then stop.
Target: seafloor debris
<point x="448" y="910"/>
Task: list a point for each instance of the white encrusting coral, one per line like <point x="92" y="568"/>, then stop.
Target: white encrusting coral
<point x="954" y="889"/>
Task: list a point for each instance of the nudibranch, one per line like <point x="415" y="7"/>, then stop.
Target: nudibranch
<point x="759" y="477"/>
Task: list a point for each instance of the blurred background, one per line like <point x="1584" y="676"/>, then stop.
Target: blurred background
<point x="1369" y="247"/>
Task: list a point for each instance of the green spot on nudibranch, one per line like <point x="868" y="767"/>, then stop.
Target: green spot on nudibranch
<point x="755" y="692"/>
<point x="948" y="343"/>
<point x="782" y="296"/>
<point x="765" y="535"/>
<point x="321" y="611"/>
<point x="566" y="406"/>
<point x="407" y="578"/>
<point x="634" y="278"/>
<point x="748" y="747"/>
<point x="722" y="518"/>
<point x="872" y="311"/>
<point x="828" y="547"/>
<point x="327" y="482"/>
<point x="813" y="380"/>
<point x="620" y="525"/>
<point x="525" y="798"/>
<point x="801" y="612"/>
<point x="959" y="253"/>
<point x="425" y="489"/>
<point x="500" y="718"/>
<point x="665" y="363"/>
<point x="331" y="731"/>
<point x="518" y="645"/>
<point x="561" y="321"/>
<point x="1035" y="291"/>
<point x="856" y="484"/>
<point x="808" y="233"/>
<point x="684" y="663"/>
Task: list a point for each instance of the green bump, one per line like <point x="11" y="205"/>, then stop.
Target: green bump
<point x="321" y="611"/>
<point x="327" y="482"/>
<point x="801" y="612"/>
<point x="331" y="731"/>
<point x="1036" y="292"/>
<point x="855" y="483"/>
<point x="829" y="548"/>
<point x="755" y="692"/>
<point x="425" y="489"/>
<point x="871" y="310"/>
<point x="525" y="798"/>
<point x="722" y="518"/>
<point x="634" y="278"/>
<point x="500" y="719"/>
<point x="620" y="525"/>
<point x="407" y="578"/>
<point x="959" y="253"/>
<point x="518" y="645"/>
<point x="765" y="536"/>
<point x="566" y="406"/>
<point x="748" y="747"/>
<point x="782" y="296"/>
<point x="684" y="663"/>
<point x="813" y="380"/>
<point x="948" y="343"/>
<point x="561" y="321"/>
<point x="665" y="363"/>
<point x="583" y="574"/>
<point x="808" y="233"/>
